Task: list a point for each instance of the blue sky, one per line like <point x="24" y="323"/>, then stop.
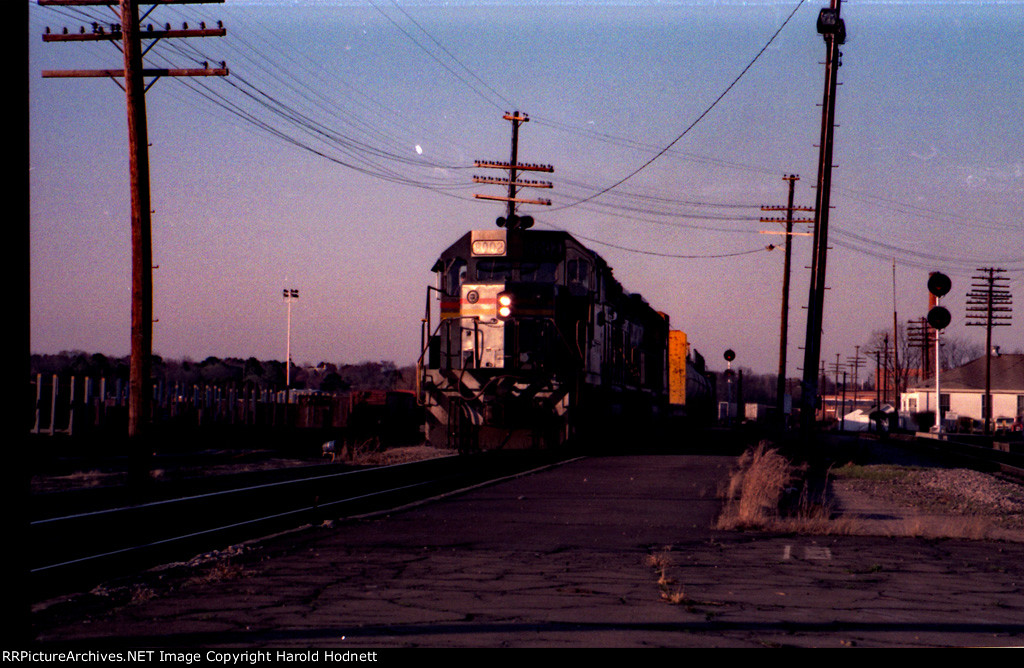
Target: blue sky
<point x="352" y="204"/>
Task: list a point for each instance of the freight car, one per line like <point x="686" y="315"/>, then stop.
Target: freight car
<point x="535" y="343"/>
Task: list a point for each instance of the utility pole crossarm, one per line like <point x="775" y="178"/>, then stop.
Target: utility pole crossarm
<point x="85" y="74"/>
<point x="98" y="3"/>
<point x="519" y="167"/>
<point x="115" y="34"/>
<point x="515" y="200"/>
<point x="805" y="209"/>
<point x="506" y="182"/>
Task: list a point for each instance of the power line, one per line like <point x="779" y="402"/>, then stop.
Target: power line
<point x="692" y="125"/>
<point x="677" y="256"/>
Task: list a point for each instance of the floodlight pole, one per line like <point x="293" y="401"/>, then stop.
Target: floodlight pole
<point x="289" y="295"/>
<point x="833" y="30"/>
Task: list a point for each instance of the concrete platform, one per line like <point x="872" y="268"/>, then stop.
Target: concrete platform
<point x="600" y="552"/>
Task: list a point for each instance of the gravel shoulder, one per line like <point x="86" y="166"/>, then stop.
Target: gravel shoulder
<point x="891" y="500"/>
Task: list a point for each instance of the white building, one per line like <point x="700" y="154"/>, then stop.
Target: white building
<point x="963" y="392"/>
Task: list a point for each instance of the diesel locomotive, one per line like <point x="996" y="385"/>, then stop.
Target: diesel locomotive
<point x="529" y="341"/>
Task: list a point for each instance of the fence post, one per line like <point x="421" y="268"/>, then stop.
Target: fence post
<point x="39" y="399"/>
<point x="53" y="406"/>
<point x="71" y="407"/>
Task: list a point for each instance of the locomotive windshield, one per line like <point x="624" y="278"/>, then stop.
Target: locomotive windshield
<point x="494" y="270"/>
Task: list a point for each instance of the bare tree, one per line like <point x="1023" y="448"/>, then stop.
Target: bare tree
<point x="957" y="351"/>
<point x="897" y="360"/>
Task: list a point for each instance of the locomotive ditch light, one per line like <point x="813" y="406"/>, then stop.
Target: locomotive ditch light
<point x="504" y="305"/>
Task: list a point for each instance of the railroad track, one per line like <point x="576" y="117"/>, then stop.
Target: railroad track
<point x="76" y="542"/>
<point x="986" y="459"/>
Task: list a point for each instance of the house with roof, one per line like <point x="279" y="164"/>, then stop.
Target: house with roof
<point x="962" y="391"/>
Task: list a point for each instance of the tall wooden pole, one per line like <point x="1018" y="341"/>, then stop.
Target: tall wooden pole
<point x="140" y="394"/>
<point x="140" y="398"/>
<point x="832" y="28"/>
<point x="780" y="391"/>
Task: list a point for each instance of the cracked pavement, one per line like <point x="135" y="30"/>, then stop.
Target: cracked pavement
<point x="562" y="558"/>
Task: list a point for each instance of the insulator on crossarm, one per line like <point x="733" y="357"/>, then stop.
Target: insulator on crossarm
<point x="202" y="25"/>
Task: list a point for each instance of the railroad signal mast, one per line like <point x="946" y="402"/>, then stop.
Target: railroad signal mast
<point x="511" y="220"/>
<point x="939" y="318"/>
<point x="989" y="304"/>
<point x="128" y="34"/>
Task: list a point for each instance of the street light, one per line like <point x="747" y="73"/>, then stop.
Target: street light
<point x="289" y="295"/>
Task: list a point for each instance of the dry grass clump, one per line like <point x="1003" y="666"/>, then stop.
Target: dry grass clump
<point x="373" y="453"/>
<point x="756" y="489"/>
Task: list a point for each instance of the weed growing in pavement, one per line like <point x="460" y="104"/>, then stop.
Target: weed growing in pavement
<point x="660" y="563"/>
<point x="670" y="591"/>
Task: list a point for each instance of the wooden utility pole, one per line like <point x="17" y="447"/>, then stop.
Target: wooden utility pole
<point x="514" y="183"/>
<point x="129" y="35"/>
<point x="780" y="391"/>
<point x="921" y="334"/>
<point x="833" y="30"/>
<point x="856" y="362"/>
<point x="989" y="304"/>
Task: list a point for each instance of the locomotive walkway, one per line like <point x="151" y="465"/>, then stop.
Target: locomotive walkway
<point x="572" y="557"/>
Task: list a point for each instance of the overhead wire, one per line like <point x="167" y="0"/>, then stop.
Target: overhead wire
<point x="307" y="132"/>
<point x="364" y="157"/>
<point x="696" y="121"/>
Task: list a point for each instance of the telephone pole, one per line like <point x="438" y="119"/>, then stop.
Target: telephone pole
<point x="833" y="30"/>
<point x="128" y="35"/>
<point x="989" y="304"/>
<point x="511" y="220"/>
<point x="920" y="333"/>
<point x="856" y="362"/>
<point x="780" y="391"/>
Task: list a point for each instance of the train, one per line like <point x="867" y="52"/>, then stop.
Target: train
<point x="529" y="341"/>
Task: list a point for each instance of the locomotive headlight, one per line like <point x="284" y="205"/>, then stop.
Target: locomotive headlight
<point x="504" y="305"/>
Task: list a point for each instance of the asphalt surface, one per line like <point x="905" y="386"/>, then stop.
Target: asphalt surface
<point x="598" y="552"/>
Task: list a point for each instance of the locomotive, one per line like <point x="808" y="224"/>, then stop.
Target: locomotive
<point x="535" y="344"/>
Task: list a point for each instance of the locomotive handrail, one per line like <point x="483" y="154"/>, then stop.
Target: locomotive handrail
<point x="425" y="344"/>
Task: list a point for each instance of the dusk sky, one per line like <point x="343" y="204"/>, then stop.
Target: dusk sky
<point x="337" y="159"/>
